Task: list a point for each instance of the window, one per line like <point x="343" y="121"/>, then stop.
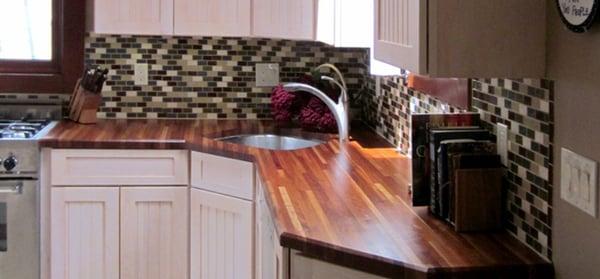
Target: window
<point x="26" y="30"/>
<point x="350" y="23"/>
<point x="41" y="45"/>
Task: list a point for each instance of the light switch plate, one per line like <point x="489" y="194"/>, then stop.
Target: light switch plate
<point x="140" y="74"/>
<point x="267" y="74"/>
<point x="502" y="142"/>
<point x="579" y="181"/>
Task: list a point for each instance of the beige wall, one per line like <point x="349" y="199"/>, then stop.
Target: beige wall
<point x="574" y="65"/>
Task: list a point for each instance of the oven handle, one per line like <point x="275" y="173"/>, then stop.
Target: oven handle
<point x="16" y="189"/>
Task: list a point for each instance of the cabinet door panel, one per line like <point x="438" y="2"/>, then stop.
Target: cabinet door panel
<point x="288" y="19"/>
<point x="133" y="17"/>
<point x="85" y="233"/>
<point x="221" y="236"/>
<point x="213" y="17"/>
<point x="154" y="233"/>
<point x="400" y="33"/>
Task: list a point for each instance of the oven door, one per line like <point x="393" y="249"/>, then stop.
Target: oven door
<point x="19" y="229"/>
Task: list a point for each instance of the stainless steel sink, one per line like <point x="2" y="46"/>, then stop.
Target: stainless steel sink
<point x="273" y="142"/>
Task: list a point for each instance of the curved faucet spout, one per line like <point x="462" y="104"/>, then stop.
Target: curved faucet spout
<point x="339" y="109"/>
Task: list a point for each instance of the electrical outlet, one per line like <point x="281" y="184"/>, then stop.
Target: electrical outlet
<point x="578" y="181"/>
<point x="267" y="74"/>
<point x="141" y="74"/>
<point x="502" y="142"/>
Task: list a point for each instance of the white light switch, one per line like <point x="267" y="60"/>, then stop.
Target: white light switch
<point x="267" y="75"/>
<point x="502" y="142"/>
<point x="579" y="176"/>
<point x="141" y="74"/>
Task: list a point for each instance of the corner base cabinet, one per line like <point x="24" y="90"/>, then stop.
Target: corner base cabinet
<point x="462" y="38"/>
<point x="221" y="236"/>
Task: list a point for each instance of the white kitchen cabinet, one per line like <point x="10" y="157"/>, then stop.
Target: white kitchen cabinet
<point x="287" y="19"/>
<point x="462" y="38"/>
<point x="221" y="236"/>
<point x="271" y="257"/>
<point x="142" y="17"/>
<point x="303" y="267"/>
<point x="114" y="225"/>
<point x="154" y="232"/>
<point x="84" y="233"/>
<point x="213" y="17"/>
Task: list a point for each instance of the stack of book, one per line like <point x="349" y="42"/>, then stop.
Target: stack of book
<point x="443" y="150"/>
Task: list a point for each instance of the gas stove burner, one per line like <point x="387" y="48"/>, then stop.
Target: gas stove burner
<point x="22" y="128"/>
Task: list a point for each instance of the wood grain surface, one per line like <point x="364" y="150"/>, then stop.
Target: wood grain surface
<point x="343" y="203"/>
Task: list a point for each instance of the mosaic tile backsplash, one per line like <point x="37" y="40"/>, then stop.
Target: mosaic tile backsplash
<point x="207" y="77"/>
<point x="527" y="108"/>
<point x="388" y="105"/>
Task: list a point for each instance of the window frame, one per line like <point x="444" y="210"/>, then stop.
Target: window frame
<point x="60" y="74"/>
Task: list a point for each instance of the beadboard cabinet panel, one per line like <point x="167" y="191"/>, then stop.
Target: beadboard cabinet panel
<point x="84" y="233"/>
<point x="213" y="17"/>
<point x="154" y="233"/>
<point x="400" y="33"/>
<point x="221" y="236"/>
<point x="286" y="19"/>
<point x="141" y="17"/>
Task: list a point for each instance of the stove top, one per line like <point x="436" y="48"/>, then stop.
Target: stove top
<point x="22" y="128"/>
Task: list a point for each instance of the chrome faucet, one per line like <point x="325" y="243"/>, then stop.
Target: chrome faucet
<point x="339" y="109"/>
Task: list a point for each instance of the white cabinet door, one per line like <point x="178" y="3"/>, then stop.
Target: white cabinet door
<point x="400" y="33"/>
<point x="221" y="236"/>
<point x="84" y="233"/>
<point x="154" y="233"/>
<point x="153" y="17"/>
<point x="271" y="261"/>
<point x="288" y="19"/>
<point x="213" y="17"/>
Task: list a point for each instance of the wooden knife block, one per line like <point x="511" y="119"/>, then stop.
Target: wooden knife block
<point x="84" y="105"/>
<point x="478" y="199"/>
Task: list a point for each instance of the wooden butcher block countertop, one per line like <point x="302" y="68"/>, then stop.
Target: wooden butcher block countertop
<point x="342" y="203"/>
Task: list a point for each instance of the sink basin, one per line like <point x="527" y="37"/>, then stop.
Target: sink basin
<point x="272" y="142"/>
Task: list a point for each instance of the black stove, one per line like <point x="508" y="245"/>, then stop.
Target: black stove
<point x="22" y="128"/>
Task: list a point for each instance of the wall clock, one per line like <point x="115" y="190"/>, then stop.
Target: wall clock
<point x="578" y="15"/>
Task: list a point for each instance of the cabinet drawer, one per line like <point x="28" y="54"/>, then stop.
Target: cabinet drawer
<point x="119" y="167"/>
<point x="223" y="175"/>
